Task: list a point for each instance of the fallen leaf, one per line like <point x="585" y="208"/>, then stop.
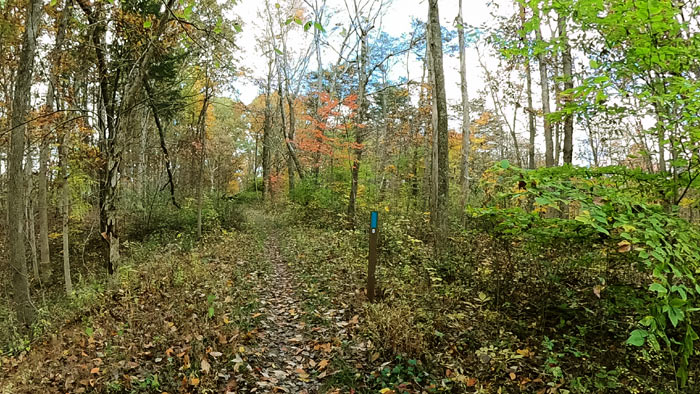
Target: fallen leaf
<point x="322" y="364"/>
<point x="215" y="354"/>
<point x="624" y="247"/>
<point x="597" y="289"/>
<point x="512" y="375"/>
<point x="95" y="371"/>
<point x="524" y="352"/>
<point x="471" y="382"/>
<point x="206" y="367"/>
<point x="194" y="381"/>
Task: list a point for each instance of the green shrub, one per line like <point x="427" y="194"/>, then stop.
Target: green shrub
<point x="619" y="213"/>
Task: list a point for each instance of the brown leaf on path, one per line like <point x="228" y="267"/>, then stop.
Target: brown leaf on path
<point x="206" y="367"/>
<point x="322" y="364"/>
<point x="95" y="371"/>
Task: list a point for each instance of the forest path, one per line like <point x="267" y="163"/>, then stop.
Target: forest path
<point x="290" y="355"/>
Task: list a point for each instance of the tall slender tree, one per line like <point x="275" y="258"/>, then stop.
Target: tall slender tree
<point x="21" y="103"/>
<point x="440" y="98"/>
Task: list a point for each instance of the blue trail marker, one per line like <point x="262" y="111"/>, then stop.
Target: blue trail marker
<point x="372" y="266"/>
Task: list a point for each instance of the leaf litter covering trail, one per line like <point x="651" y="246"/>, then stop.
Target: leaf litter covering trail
<point x="288" y="356"/>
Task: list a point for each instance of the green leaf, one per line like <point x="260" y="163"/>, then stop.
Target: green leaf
<point x="675" y="315"/>
<point x="637" y="337"/>
<point x="298" y="21"/>
<point x="659" y="288"/>
<point x="237" y="27"/>
<point x="277" y="5"/>
<point x="187" y="13"/>
<point x="147" y="24"/>
<point x="52" y="4"/>
<point x="279" y="52"/>
<point x="307" y="26"/>
<point x="505" y="164"/>
<point x="319" y="27"/>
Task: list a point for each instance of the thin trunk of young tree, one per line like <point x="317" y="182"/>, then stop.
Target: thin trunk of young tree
<point x="29" y="210"/>
<point x="544" y="81"/>
<point x="44" y="150"/>
<point x="319" y="87"/>
<point x="202" y="133"/>
<point x="65" y="210"/>
<point x="441" y="107"/>
<point x="267" y="131"/>
<point x="466" y="121"/>
<point x="44" y="250"/>
<point x="21" y="102"/>
<point x="567" y="66"/>
<point x="530" y="109"/>
<point x="362" y="107"/>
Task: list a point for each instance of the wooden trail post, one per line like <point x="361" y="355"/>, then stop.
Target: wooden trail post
<point x="372" y="266"/>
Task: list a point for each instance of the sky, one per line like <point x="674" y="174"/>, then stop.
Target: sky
<point x="396" y="22"/>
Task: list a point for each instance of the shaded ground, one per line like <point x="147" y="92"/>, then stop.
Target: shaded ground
<point x="223" y="317"/>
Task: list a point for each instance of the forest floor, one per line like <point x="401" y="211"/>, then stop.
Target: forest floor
<point x="225" y="316"/>
<point x="279" y="306"/>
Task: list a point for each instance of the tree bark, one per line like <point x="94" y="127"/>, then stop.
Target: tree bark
<point x="433" y="200"/>
<point x="202" y="132"/>
<point x="362" y="107"/>
<point x="44" y="153"/>
<point x="29" y="210"/>
<point x="440" y="98"/>
<point x="21" y="102"/>
<point x="466" y="145"/>
<point x="544" y="81"/>
<point x="65" y="210"/>
<point x="530" y="109"/>
<point x="267" y="131"/>
<point x="567" y="66"/>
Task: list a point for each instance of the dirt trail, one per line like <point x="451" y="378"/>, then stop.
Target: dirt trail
<point x="289" y="355"/>
<point x="282" y="354"/>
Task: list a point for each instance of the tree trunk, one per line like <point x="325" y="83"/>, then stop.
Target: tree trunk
<point x="44" y="153"/>
<point x="544" y="80"/>
<point x="568" y="85"/>
<point x="530" y="109"/>
<point x="362" y="107"/>
<point x="45" y="259"/>
<point x="267" y="130"/>
<point x="21" y="102"/>
<point x="434" y="214"/>
<point x="466" y="146"/>
<point x="65" y="210"/>
<point x="440" y="98"/>
<point x="29" y="210"/>
<point x="202" y="132"/>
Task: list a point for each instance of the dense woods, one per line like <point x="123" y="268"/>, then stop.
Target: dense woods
<point x="186" y="189"/>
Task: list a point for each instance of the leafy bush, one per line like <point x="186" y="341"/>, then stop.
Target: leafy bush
<point x="620" y="213"/>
